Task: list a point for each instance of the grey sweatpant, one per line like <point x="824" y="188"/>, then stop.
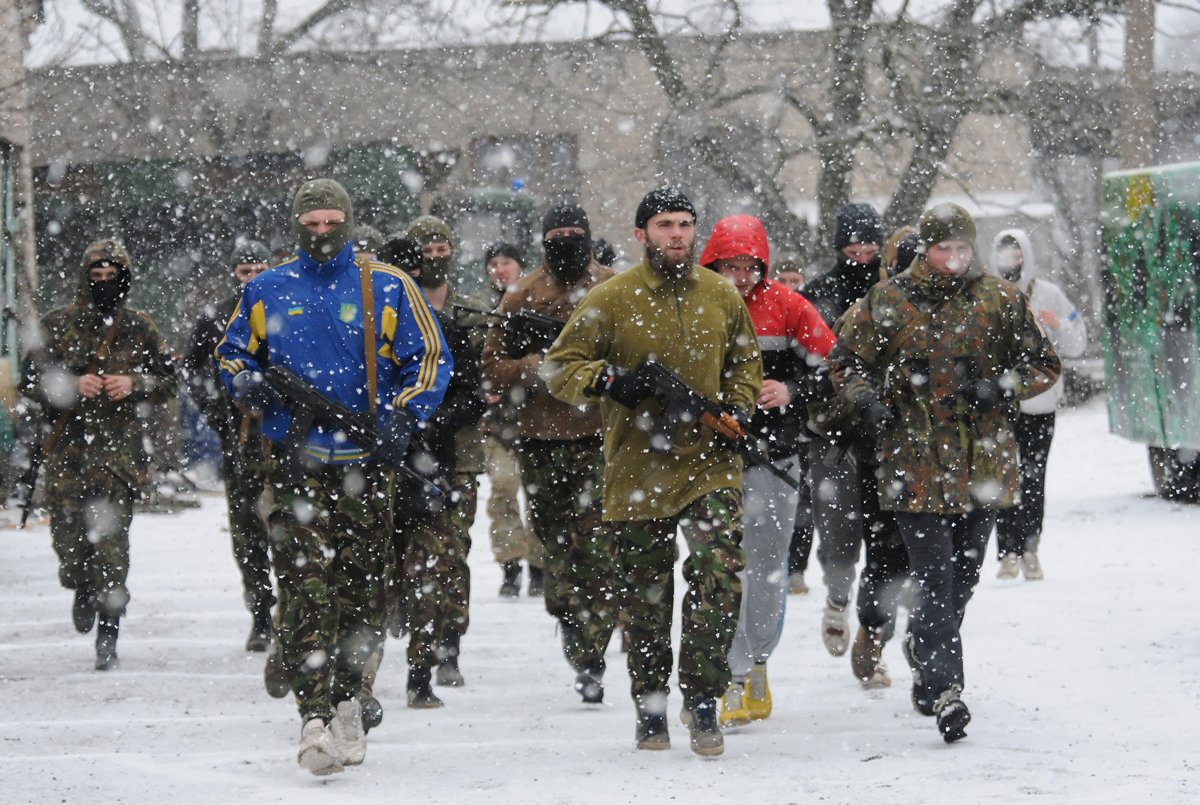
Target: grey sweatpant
<point x="769" y="512"/>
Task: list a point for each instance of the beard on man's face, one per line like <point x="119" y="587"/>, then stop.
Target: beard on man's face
<point x="669" y="267"/>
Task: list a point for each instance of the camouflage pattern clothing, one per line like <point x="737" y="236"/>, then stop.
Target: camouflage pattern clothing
<point x="330" y="562"/>
<point x="511" y="539"/>
<point x="563" y="484"/>
<point x="98" y="465"/>
<point x="941" y="455"/>
<point x="645" y="552"/>
<point x="242" y="467"/>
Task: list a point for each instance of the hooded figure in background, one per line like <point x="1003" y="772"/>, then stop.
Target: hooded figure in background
<point x="933" y="359"/>
<point x="98" y="363"/>
<point x="1019" y="529"/>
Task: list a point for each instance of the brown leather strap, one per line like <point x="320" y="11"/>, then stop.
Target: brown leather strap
<point x="368" y="318"/>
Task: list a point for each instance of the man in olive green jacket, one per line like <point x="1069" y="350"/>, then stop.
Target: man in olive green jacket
<point x="695" y="324"/>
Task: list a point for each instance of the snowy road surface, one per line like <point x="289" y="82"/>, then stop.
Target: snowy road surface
<point x="1084" y="687"/>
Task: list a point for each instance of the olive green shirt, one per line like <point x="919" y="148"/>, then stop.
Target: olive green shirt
<point x="696" y="326"/>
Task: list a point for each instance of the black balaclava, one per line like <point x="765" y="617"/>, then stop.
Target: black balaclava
<point x="435" y="271"/>
<point x="107" y="295"/>
<point x="567" y="256"/>
<point x="404" y="253"/>
<point x="322" y="194"/>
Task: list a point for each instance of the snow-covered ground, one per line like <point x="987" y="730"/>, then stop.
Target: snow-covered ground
<point x="1084" y="687"/>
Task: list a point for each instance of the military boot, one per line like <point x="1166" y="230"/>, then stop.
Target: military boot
<point x="420" y="693"/>
<point x="699" y="715"/>
<point x="537" y="582"/>
<point x="106" y="642"/>
<point x="921" y="700"/>
<point x="260" y="631"/>
<point x="511" y="586"/>
<point x="589" y="686"/>
<point x="448" y="674"/>
<point x="275" y="677"/>
<point x="372" y="710"/>
<point x="83" y="611"/>
<point x="651" y="732"/>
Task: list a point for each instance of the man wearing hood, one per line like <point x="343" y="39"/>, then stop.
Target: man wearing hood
<point x="98" y="363"/>
<point x="696" y="325"/>
<point x="1019" y="529"/>
<point x="857" y="237"/>
<point x="793" y="339"/>
<point x="241" y="444"/>
<point x="361" y="334"/>
<point x="933" y="358"/>
<point x="560" y="450"/>
<point x="437" y="260"/>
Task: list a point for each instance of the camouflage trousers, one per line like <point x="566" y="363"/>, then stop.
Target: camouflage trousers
<point x="645" y="552"/>
<point x="456" y="546"/>
<point x="424" y="579"/>
<point x="511" y="538"/>
<point x="90" y="533"/>
<point x="563" y="485"/>
<point x="329" y="539"/>
<point x="243" y="474"/>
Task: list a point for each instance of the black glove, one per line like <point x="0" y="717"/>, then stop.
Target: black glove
<point x="984" y="395"/>
<point x="628" y="388"/>
<point x="876" y="419"/>
<point x="394" y="437"/>
<point x="252" y="390"/>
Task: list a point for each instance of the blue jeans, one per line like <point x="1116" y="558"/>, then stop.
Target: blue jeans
<point x="945" y="552"/>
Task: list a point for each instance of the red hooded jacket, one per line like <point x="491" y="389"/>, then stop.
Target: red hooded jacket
<point x="791" y="333"/>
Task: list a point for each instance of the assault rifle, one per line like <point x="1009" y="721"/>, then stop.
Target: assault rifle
<point x="683" y="405"/>
<point x="525" y="331"/>
<point x="309" y="407"/>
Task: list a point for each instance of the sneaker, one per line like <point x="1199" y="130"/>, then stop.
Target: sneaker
<point x="651" y="732"/>
<point x="511" y="586"/>
<point x="537" y="582"/>
<point x="448" y="674"/>
<point x="589" y="686"/>
<point x="921" y="700"/>
<point x="835" y="628"/>
<point x="796" y="585"/>
<point x="106" y="643"/>
<point x="733" y="706"/>
<point x="349" y="737"/>
<point x="758" y="692"/>
<point x="866" y="660"/>
<point x="420" y="696"/>
<point x="1009" y="564"/>
<point x="952" y="715"/>
<point x="1031" y="567"/>
<point x="83" y="613"/>
<point x="275" y="678"/>
<point x="317" y="753"/>
<point x="700" y="717"/>
<point x="372" y="711"/>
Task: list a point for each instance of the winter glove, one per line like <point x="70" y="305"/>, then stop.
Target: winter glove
<point x="984" y="395"/>
<point x="875" y="420"/>
<point x="252" y="390"/>
<point x="394" y="437"/>
<point x="623" y="386"/>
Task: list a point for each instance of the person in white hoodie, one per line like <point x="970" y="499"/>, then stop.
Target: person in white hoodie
<point x="1019" y="529"/>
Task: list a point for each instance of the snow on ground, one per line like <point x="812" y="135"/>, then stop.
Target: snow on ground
<point x="1084" y="687"/>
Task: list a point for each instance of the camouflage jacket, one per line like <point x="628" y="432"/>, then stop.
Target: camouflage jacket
<point x="102" y="439"/>
<point x="941" y="455"/>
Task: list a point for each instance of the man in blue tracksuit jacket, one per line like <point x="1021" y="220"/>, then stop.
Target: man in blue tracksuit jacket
<point x="329" y="529"/>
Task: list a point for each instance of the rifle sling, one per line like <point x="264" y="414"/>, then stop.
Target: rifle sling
<point x="368" y="316"/>
<point x="110" y="338"/>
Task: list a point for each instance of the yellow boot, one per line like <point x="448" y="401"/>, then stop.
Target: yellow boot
<point x="758" y="692"/>
<point x="733" y="706"/>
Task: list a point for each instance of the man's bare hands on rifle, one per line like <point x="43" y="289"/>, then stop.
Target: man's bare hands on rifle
<point x="115" y="387"/>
